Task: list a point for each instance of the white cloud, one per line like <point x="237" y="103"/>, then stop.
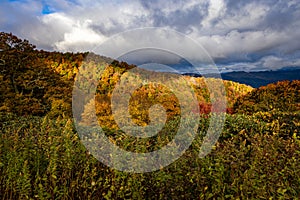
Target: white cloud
<point x="274" y="63"/>
<point x="239" y="45"/>
<point x="79" y="37"/>
<point x="216" y="9"/>
<point x="247" y="17"/>
<point x="266" y="63"/>
<point x="231" y="31"/>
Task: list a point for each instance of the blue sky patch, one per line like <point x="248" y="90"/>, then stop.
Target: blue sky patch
<point x="47" y="10"/>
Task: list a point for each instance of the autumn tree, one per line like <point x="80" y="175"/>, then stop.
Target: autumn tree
<point x="282" y="96"/>
<point x="14" y="54"/>
<point x="35" y="82"/>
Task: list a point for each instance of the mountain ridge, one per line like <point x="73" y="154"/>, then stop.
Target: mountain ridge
<point x="259" y="78"/>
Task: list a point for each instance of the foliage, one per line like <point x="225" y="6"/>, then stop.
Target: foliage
<point x="150" y="94"/>
<point x="32" y="80"/>
<point x="41" y="156"/>
<point x="283" y="96"/>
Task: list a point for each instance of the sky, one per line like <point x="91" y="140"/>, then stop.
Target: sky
<point x="239" y="35"/>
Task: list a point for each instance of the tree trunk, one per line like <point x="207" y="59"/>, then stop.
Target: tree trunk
<point x="12" y="80"/>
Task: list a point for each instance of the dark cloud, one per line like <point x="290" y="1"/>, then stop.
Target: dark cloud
<point x="238" y="34"/>
<point x="173" y="13"/>
<point x="179" y="20"/>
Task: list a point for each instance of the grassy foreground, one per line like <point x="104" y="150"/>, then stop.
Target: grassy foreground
<point x="256" y="157"/>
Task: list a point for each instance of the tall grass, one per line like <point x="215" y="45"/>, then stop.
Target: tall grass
<point x="43" y="158"/>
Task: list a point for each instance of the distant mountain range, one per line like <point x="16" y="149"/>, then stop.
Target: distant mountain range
<point x="257" y="79"/>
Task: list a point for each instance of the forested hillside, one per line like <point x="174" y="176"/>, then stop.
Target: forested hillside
<point x="42" y="157"/>
<point x="36" y="82"/>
